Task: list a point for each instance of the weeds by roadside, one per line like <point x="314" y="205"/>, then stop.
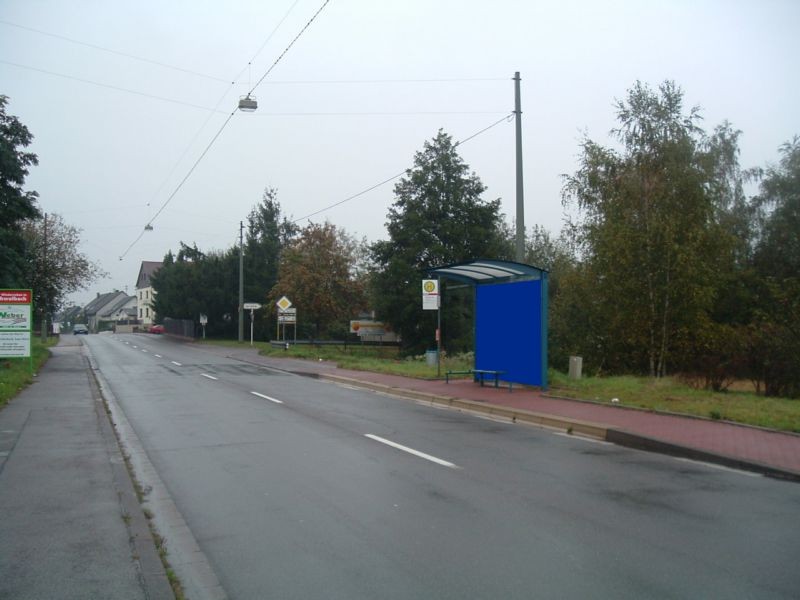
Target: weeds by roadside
<point x="15" y="373"/>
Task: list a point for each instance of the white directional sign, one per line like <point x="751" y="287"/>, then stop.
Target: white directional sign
<point x="251" y="306"/>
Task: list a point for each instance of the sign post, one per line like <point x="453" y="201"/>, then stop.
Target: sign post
<point x="286" y="316"/>
<point x="251" y="306"/>
<point x="16" y="309"/>
<point x="203" y="321"/>
<point x="431" y="300"/>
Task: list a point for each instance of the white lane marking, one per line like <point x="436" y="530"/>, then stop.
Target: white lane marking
<point x="177" y="364"/>
<point x="136" y="346"/>
<point x="158" y="356"/>
<point x="417" y="453"/>
<point x="143" y="350"/>
<point x="209" y="376"/>
<point x="265" y="397"/>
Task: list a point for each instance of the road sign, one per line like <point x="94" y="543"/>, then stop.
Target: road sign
<point x="15" y="323"/>
<point x="288" y="316"/>
<point x="284" y="303"/>
<point x="430" y="294"/>
<point x="203" y="319"/>
<point x="251" y="306"/>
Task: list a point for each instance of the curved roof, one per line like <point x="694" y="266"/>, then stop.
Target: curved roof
<point x="478" y="272"/>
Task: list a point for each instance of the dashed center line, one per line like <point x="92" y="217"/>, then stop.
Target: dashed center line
<point x="416" y="453"/>
<point x="207" y="376"/>
<point x="265" y="397"/>
<point x="177" y="364"/>
<point x="158" y="356"/>
<point x="143" y="350"/>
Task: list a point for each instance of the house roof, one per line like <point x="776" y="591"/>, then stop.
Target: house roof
<point x="478" y="272"/>
<point x="105" y="303"/>
<point x="115" y="304"/>
<point x="146" y="271"/>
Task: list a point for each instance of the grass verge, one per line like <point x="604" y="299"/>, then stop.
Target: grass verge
<point x="378" y="359"/>
<point x="669" y="395"/>
<point x="15" y="373"/>
<point x="666" y="394"/>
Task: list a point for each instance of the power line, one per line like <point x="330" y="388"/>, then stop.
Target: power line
<point x="373" y="113"/>
<point x="507" y="118"/>
<point x="217" y="105"/>
<point x="111" y="51"/>
<point x="380" y="81"/>
<point x="107" y="86"/>
<point x="221" y="129"/>
<point x="277" y="60"/>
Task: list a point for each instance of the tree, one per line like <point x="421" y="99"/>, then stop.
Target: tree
<point x="775" y="328"/>
<point x="194" y="283"/>
<point x="318" y="272"/>
<point x="653" y="230"/>
<point x="16" y="205"/>
<point x="777" y="252"/>
<point x="439" y="217"/>
<point x="268" y="233"/>
<point x="54" y="266"/>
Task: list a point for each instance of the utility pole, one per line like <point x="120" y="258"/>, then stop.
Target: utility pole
<point x="44" y="283"/>
<point x="241" y="281"/>
<point x="520" y="239"/>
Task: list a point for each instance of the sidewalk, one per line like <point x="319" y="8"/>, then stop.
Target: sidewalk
<point x="738" y="446"/>
<point x="71" y="526"/>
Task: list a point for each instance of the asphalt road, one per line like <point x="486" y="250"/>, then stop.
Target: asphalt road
<point x="298" y="488"/>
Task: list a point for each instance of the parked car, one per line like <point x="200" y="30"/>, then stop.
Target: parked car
<point x="80" y="329"/>
<point x="156" y="329"/>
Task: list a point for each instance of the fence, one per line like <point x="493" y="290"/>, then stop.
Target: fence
<point x="180" y="327"/>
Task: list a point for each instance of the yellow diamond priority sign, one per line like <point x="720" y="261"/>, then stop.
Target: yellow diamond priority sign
<point x="284" y="303"/>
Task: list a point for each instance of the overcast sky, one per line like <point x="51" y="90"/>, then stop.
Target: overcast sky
<point x="340" y="112"/>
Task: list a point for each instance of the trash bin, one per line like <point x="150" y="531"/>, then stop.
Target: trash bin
<point x="432" y="358"/>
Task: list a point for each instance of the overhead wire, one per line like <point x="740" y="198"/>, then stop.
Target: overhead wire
<point x="221" y="129"/>
<point x="108" y="86"/>
<point x="507" y="117"/>
<point x="112" y="51"/>
<point x="217" y="105"/>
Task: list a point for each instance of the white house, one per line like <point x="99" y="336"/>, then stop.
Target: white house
<point x="145" y="293"/>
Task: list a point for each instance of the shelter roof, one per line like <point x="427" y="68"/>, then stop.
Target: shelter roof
<point x="478" y="272"/>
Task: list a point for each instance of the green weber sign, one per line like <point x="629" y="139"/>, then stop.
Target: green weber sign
<point x="16" y="323"/>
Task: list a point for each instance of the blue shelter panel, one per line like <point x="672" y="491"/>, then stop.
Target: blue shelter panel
<point x="508" y="330"/>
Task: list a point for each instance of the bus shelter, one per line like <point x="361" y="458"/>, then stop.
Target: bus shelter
<point x="510" y="317"/>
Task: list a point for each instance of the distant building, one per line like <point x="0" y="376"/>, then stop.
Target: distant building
<point x="145" y="293"/>
<point x="102" y="307"/>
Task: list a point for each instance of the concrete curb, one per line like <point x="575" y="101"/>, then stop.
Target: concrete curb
<point x="189" y="562"/>
<point x="154" y="577"/>
<point x="649" y="444"/>
<point x="515" y="415"/>
<point x="584" y="428"/>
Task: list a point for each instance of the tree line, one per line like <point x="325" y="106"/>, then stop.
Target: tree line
<point x="664" y="266"/>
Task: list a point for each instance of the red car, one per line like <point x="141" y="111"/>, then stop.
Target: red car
<point x="156" y="329"/>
